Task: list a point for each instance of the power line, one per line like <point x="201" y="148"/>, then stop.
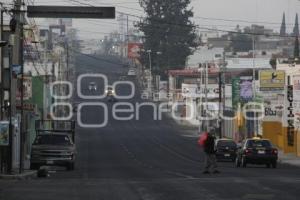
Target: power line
<point x="196" y="26"/>
<point x="237" y="20"/>
<point x="196" y="17"/>
<point x="118" y="4"/>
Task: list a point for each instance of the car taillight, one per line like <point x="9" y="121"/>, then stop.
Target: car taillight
<point x="275" y="151"/>
<point x="248" y="151"/>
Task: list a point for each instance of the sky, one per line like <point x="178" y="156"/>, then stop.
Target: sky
<point x="220" y="14"/>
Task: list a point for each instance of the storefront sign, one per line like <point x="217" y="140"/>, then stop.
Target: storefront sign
<point x="270" y="112"/>
<point x="290" y="116"/>
<point x="194" y="91"/>
<point x="296" y="87"/>
<point x="26" y="106"/>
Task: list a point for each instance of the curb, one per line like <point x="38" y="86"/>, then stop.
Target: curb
<point x="287" y="162"/>
<point x="25" y="175"/>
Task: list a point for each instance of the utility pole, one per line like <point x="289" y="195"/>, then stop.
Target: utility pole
<point x="17" y="59"/>
<point x="253" y="82"/>
<point x="150" y="68"/>
<point x="206" y="93"/>
<point x="199" y="92"/>
<point x="222" y="82"/>
<point x="224" y="91"/>
<point x="127" y="37"/>
<point x="67" y="61"/>
<point x="2" y="67"/>
<point x="220" y="101"/>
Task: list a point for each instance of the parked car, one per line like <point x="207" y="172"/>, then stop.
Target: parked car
<point x="225" y="149"/>
<point x="53" y="144"/>
<point x="92" y="86"/>
<point x="256" y="151"/>
<point x="53" y="149"/>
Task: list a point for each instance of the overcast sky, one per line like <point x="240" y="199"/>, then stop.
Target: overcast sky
<point x="206" y="13"/>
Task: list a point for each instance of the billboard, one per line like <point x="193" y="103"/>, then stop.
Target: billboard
<point x="271" y="80"/>
<point x="134" y="50"/>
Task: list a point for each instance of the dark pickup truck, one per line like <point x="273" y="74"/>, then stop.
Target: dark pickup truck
<point x="54" y="144"/>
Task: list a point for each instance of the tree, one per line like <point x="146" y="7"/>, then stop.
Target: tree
<point x="273" y="62"/>
<point x="241" y="42"/>
<point x="167" y="29"/>
<point x="296" y="27"/>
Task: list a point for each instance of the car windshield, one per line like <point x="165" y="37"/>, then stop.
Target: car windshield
<point x="258" y="143"/>
<point x="52" y="140"/>
<point x="226" y="143"/>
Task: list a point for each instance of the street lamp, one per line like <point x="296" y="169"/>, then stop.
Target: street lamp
<point x="149" y="51"/>
<point x="150" y="68"/>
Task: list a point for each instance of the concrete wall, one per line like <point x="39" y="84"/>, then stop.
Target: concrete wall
<point x="278" y="135"/>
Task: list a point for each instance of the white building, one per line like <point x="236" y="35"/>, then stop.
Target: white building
<point x="204" y="55"/>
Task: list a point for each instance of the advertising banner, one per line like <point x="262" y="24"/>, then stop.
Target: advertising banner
<point x="271" y="80"/>
<point x="235" y="92"/>
<point x="4" y="133"/>
<point x="246" y="88"/>
<point x="27" y="88"/>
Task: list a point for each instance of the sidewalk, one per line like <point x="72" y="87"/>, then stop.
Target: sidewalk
<point x="27" y="174"/>
<point x="290" y="159"/>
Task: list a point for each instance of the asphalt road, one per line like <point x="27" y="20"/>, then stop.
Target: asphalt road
<point x="145" y="159"/>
